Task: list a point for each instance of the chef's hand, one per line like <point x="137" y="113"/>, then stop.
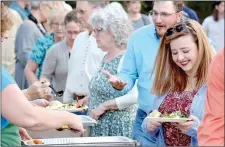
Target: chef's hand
<point x="97" y="112"/>
<point x="24" y="135"/>
<point x="76" y="124"/>
<point x="114" y="80"/>
<point x="40" y="102"/>
<point x="185" y="126"/>
<point x="39" y="89"/>
<point x="152" y="125"/>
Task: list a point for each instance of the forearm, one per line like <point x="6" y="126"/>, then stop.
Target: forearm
<point x="30" y="75"/>
<point x="45" y="119"/>
<point x="110" y="105"/>
<point x="18" y="110"/>
<point x="128" y="99"/>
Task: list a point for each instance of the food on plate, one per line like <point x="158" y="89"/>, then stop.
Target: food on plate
<point x="55" y="104"/>
<point x="59" y="105"/>
<point x="30" y="142"/>
<point x="176" y="114"/>
<point x="35" y="141"/>
<point x="155" y="113"/>
<point x="63" y="128"/>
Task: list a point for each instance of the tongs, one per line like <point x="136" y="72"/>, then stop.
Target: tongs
<point x="58" y="94"/>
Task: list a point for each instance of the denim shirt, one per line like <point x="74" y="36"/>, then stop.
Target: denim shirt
<point x="197" y="110"/>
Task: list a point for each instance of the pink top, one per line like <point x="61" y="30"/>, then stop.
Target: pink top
<point x="176" y="101"/>
<point x="211" y="130"/>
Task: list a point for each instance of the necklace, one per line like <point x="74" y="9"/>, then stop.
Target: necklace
<point x="34" y="20"/>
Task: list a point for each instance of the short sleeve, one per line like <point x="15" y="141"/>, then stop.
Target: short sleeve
<point x="6" y="79"/>
<point x="36" y="52"/>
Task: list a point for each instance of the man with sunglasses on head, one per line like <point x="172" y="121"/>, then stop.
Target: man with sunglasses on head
<point x="139" y="60"/>
<point x="85" y="56"/>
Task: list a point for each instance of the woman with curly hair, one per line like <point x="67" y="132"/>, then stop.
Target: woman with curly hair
<point x="114" y="110"/>
<point x="6" y="21"/>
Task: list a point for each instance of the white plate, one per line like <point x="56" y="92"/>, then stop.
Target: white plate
<point x="70" y="110"/>
<point x="162" y="119"/>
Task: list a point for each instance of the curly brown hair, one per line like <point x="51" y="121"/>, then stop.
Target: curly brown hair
<point x="6" y="19"/>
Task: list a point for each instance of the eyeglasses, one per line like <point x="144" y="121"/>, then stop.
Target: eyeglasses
<point x="57" y="24"/>
<point x="97" y="31"/>
<point x="162" y="14"/>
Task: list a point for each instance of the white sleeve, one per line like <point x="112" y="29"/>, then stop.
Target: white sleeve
<point x="128" y="99"/>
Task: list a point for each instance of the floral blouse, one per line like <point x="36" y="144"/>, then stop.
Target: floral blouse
<point x="39" y="51"/>
<point x="176" y="101"/>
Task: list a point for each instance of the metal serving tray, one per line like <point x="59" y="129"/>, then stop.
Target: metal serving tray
<point x="88" y="141"/>
<point x="88" y="121"/>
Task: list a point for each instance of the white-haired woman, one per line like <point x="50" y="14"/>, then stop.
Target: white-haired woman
<point x="37" y="56"/>
<point x="114" y="110"/>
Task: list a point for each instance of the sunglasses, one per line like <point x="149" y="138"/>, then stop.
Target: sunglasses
<point x="178" y="28"/>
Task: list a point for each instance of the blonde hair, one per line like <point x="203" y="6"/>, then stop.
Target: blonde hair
<point x="57" y="13"/>
<point x="169" y="76"/>
<point x="6" y="19"/>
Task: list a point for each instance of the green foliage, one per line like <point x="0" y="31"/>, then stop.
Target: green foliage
<point x="202" y="8"/>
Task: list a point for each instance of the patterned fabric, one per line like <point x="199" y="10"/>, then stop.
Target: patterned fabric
<point x="115" y="122"/>
<point x="39" y="51"/>
<point x="176" y="101"/>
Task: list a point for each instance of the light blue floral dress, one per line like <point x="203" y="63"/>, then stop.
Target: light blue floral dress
<point x="39" y="51"/>
<point x="113" y="122"/>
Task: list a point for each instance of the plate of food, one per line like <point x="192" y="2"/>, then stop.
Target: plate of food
<point x="176" y="116"/>
<point x="72" y="107"/>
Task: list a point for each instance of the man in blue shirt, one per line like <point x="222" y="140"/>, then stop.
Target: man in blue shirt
<point x="139" y="60"/>
<point x="21" y="7"/>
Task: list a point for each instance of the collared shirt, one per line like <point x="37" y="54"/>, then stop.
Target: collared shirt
<point x="211" y="130"/>
<point x="24" y="12"/>
<point x="39" y="50"/>
<point x="138" y="64"/>
<point x="84" y="61"/>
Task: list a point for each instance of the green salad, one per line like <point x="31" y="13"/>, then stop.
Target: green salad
<point x="176" y="114"/>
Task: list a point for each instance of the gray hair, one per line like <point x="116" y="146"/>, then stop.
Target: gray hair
<point x="114" y="19"/>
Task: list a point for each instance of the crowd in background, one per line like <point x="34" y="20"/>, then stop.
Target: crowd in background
<point x="121" y="63"/>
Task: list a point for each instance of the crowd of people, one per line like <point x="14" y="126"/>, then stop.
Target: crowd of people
<point x="121" y="63"/>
